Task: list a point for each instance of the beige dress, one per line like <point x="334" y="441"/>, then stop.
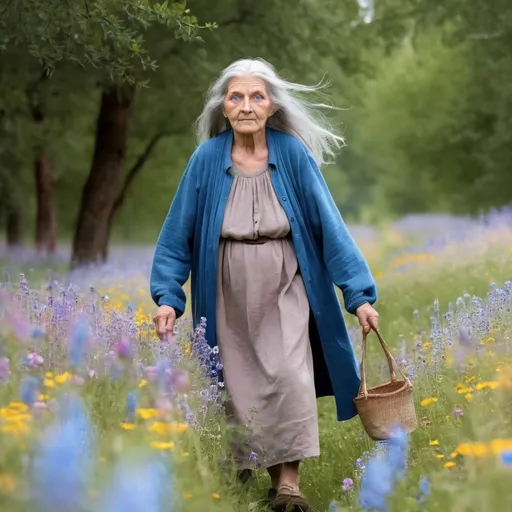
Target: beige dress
<point x="262" y="331"/>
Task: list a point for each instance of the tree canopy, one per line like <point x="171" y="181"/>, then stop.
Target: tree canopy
<point x="422" y="89"/>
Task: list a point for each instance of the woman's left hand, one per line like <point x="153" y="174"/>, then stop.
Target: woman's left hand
<point x="368" y="317"/>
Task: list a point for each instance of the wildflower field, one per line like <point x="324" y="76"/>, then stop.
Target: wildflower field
<point x="97" y="415"/>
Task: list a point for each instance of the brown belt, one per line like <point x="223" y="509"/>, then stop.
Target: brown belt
<point x="256" y="241"/>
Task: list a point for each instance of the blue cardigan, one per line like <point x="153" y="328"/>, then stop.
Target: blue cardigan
<point x="326" y="252"/>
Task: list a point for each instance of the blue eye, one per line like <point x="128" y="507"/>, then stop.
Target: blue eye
<point x="258" y="97"/>
<point x="235" y="97"/>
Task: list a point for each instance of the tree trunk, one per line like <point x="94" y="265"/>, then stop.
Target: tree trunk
<point x="46" y="221"/>
<point x="14" y="222"/>
<point x="46" y="224"/>
<point x="132" y="173"/>
<point x="105" y="176"/>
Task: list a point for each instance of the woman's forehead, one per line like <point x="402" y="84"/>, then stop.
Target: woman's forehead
<point x="246" y="82"/>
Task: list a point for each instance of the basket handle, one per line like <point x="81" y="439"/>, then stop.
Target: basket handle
<point x="363" y="390"/>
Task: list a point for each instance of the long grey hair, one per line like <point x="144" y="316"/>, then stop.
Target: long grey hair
<point x="295" y="115"/>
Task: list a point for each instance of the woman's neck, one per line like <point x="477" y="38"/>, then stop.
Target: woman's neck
<point x="250" y="151"/>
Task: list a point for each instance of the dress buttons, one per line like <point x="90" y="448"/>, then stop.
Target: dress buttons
<point x="283" y="198"/>
<point x="292" y="219"/>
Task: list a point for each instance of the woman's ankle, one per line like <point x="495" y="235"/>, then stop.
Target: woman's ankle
<point x="290" y="474"/>
<point x="275" y="475"/>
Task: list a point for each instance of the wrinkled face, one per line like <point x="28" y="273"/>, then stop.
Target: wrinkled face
<point x="247" y="105"/>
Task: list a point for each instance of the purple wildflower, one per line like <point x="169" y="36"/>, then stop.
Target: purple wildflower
<point x="457" y="411"/>
<point x="5" y="369"/>
<point x="253" y="457"/>
<point x="33" y="360"/>
<point x="348" y="484"/>
<point x="124" y="349"/>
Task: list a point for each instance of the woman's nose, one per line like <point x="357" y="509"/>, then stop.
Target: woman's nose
<point x="246" y="107"/>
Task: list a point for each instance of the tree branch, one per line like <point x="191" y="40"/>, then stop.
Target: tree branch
<point x="134" y="170"/>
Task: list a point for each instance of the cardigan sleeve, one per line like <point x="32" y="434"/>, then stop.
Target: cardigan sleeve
<point x="173" y="252"/>
<point x="342" y="257"/>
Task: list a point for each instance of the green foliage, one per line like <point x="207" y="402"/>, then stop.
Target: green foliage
<point x="105" y="34"/>
<point x="423" y="91"/>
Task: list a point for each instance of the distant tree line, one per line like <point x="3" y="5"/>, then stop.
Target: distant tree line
<point x="93" y="93"/>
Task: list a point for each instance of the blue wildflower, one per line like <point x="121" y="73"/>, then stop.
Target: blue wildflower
<point x="506" y="458"/>
<point x="78" y="343"/>
<point x="424" y="490"/>
<point x="376" y="484"/>
<point x="63" y="462"/>
<point x="29" y="389"/>
<point x="398" y="447"/>
<point x="38" y="333"/>
<point x="131" y="403"/>
<point x="388" y="464"/>
<point x="138" y="487"/>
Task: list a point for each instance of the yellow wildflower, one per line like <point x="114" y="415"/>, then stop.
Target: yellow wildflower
<point x="427" y="345"/>
<point x="142" y="383"/>
<point x="187" y="495"/>
<point x="428" y="401"/>
<point x="468" y="380"/>
<point x="186" y="349"/>
<point x="453" y="455"/>
<point x="468" y="397"/>
<point x="7" y="483"/>
<point x="487" y="384"/>
<point x="42" y="397"/>
<point x="49" y="375"/>
<point x="463" y="391"/>
<point x="472" y="449"/>
<point x="499" y="445"/>
<point x="488" y="341"/>
<point x="63" y="377"/>
<point x="216" y="496"/>
<point x="434" y="443"/>
<point x="15" y="417"/>
<point x="16" y="428"/>
<point x="147" y="414"/>
<point x="168" y="428"/>
<point x="438" y="455"/>
<point x="18" y="406"/>
<point x="127" y="426"/>
<point x="162" y="445"/>
<point x="185" y="454"/>
<point x="449" y="464"/>
<point x="49" y="383"/>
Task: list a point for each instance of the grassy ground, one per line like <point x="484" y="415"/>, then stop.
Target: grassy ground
<point x="462" y="397"/>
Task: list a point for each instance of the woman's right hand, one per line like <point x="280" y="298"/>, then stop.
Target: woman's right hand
<point x="164" y="322"/>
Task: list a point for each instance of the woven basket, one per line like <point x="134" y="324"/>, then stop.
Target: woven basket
<point x="384" y="407"/>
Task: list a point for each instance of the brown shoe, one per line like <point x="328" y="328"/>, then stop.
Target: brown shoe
<point x="289" y="498"/>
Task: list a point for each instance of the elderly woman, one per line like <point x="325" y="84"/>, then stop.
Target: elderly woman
<point x="255" y="224"/>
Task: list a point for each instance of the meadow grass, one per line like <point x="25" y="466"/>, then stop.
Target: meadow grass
<point x="462" y="394"/>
